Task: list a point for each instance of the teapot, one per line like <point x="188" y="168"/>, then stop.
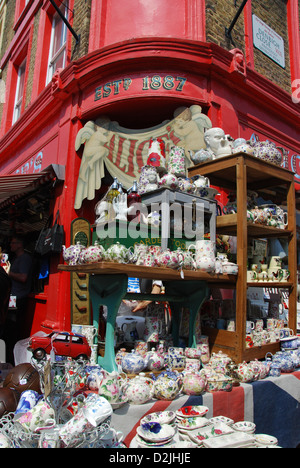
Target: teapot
<point x="93" y="254"/>
<point x="193" y="383"/>
<point x="200" y="181"/>
<point x="167" y="385"/>
<point x="245" y="373"/>
<point x="186" y="185"/>
<point x="154" y="360"/>
<point x="169" y="181"/>
<point x="117" y="253"/>
<point x="133" y="363"/>
<point x="139" y="390"/>
<point x="267" y="151"/>
<point x="171" y="259"/>
<point x="71" y="255"/>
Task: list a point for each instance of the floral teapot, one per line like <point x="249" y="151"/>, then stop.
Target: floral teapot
<point x="167" y="385"/>
<point x="245" y="373"/>
<point x="171" y="259"/>
<point x="169" y="181"/>
<point x="139" y="390"/>
<point x="117" y="253"/>
<point x="193" y="383"/>
<point x="267" y="151"/>
<point x="93" y="254"/>
<point x="71" y="255"/>
<point x="154" y="360"/>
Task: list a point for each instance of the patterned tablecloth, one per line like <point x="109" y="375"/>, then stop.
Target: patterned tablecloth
<point x="273" y="404"/>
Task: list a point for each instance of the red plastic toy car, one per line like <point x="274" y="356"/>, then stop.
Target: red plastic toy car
<point x="63" y="344"/>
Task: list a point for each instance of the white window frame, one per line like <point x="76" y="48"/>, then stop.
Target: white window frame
<point x="63" y="49"/>
<point x="19" y="99"/>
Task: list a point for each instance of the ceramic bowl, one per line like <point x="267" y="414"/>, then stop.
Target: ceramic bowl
<point x="206" y="192"/>
<point x="289" y="343"/>
<point x="244" y="426"/>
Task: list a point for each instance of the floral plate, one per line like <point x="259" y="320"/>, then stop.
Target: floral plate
<point x="223" y="419"/>
<point x="218" y="429"/>
<point x="191" y="423"/>
<point x="192" y="411"/>
<point x="154" y="432"/>
<point x="162" y="417"/>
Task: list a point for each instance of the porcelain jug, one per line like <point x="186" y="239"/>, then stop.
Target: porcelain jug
<point x="111" y="385"/>
<point x="130" y="331"/>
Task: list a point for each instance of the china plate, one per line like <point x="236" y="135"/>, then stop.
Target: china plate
<point x="265" y="439"/>
<point x="163" y="417"/>
<point x="223" y="419"/>
<point x="191" y="423"/>
<point x="217" y="430"/>
<point x="192" y="411"/>
<point x="154" y="432"/>
<point x="236" y="439"/>
<point x="146" y="443"/>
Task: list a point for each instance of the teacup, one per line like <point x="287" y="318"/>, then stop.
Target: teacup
<point x="71" y="432"/>
<point x="259" y="325"/>
<point x="35" y="417"/>
<point x="250" y="326"/>
<point x="96" y="409"/>
<point x="286" y="333"/>
<point x="28" y="400"/>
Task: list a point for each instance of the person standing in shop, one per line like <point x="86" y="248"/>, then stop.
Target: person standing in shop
<point x="20" y="275"/>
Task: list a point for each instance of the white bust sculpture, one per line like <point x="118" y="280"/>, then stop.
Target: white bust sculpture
<point x="217" y="142"/>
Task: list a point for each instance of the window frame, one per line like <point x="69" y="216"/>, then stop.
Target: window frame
<point x="19" y="101"/>
<point x="54" y="56"/>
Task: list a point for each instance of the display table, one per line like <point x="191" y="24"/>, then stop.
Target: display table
<point x="108" y="286"/>
<point x="272" y="404"/>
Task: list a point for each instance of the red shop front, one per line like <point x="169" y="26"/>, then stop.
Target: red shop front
<point x="134" y="89"/>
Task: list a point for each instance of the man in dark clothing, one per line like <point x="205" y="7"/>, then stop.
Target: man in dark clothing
<point x="5" y="288"/>
<point x="20" y="275"/>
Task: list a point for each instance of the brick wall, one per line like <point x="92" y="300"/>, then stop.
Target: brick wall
<point x="219" y="15"/>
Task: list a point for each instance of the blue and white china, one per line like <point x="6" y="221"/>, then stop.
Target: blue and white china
<point x="133" y="363"/>
<point x="28" y="400"/>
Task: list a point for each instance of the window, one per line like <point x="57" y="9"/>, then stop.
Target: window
<point x="57" y="53"/>
<point x="19" y="91"/>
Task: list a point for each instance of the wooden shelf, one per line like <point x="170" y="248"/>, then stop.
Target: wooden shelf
<point x="139" y="271"/>
<point x="240" y="173"/>
<point x="227" y="224"/>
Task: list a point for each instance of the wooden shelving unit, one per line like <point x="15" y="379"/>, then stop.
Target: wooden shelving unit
<point x="242" y="172"/>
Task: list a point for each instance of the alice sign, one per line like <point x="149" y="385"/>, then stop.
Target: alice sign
<point x="124" y="152"/>
<point x="268" y="41"/>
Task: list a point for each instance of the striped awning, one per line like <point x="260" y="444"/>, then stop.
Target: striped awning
<point x="15" y="186"/>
